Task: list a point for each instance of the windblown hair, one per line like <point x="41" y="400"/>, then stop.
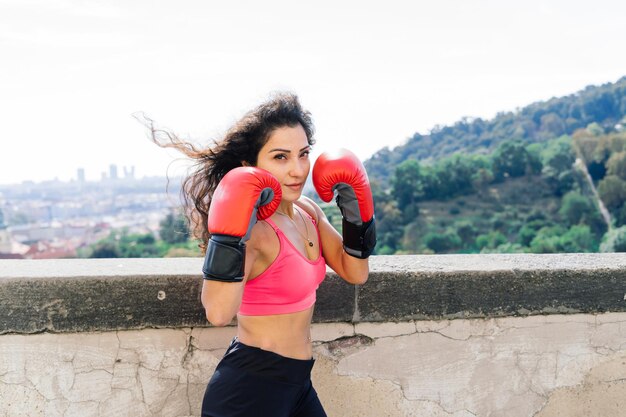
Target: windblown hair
<point x="241" y="143"/>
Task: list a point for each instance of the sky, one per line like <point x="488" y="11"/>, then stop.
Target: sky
<point x="73" y="73"/>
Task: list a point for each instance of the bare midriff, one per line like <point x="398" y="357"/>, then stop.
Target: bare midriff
<point x="288" y="335"/>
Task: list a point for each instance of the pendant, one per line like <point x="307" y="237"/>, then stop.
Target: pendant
<point x="310" y="243"/>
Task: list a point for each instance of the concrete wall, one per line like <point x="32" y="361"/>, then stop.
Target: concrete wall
<point x="426" y="336"/>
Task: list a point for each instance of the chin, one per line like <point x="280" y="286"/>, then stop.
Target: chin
<point x="291" y="196"/>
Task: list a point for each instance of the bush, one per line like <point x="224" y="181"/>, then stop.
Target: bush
<point x="578" y="238"/>
<point x="575" y="207"/>
<point x="547" y="240"/>
<point x="490" y="240"/>
<point x="506" y="248"/>
<point x="442" y="242"/>
<point x="614" y="241"/>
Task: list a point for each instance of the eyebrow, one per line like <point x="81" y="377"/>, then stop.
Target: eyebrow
<point x="287" y="150"/>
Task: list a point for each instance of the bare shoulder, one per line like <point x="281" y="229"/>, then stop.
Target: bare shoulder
<point x="311" y="207"/>
<point x="261" y="234"/>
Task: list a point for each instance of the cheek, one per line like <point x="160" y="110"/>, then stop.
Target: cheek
<point x="272" y="167"/>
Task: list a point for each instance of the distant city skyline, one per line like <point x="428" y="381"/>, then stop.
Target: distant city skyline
<point x="372" y="74"/>
<point x="81" y="175"/>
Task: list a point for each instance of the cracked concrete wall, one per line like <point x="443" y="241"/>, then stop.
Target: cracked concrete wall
<point x="543" y="366"/>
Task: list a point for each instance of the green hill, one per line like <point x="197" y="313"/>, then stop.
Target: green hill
<point x="604" y="105"/>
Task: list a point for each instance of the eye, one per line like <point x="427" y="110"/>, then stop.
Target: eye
<point x="305" y="154"/>
<point x="280" y="156"/>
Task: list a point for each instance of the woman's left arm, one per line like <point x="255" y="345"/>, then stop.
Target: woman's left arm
<point x="348" y="267"/>
<point x="342" y="174"/>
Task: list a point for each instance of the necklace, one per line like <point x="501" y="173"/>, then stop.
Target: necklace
<point x="296" y="226"/>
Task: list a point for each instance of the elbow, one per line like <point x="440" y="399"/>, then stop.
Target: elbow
<point x="219" y="319"/>
<point x="357" y="279"/>
<point x="361" y="280"/>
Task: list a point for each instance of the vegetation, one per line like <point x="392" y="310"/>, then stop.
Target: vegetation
<point x="536" y="180"/>
<point x="550" y="177"/>
<point x="602" y="107"/>
<point x="174" y="242"/>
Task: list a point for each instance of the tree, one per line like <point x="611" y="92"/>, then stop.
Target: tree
<point x="490" y="240"/>
<point x="105" y="249"/>
<point x="466" y="232"/>
<point x="547" y="240"/>
<point x="455" y="175"/>
<point x="506" y="248"/>
<point x="612" y="191"/>
<point x="578" y="238"/>
<point x="616" y="165"/>
<point x="529" y="230"/>
<point x="121" y="244"/>
<point x="620" y="216"/>
<point x="174" y="229"/>
<point x="586" y="144"/>
<point x="389" y="228"/>
<point x="614" y="240"/>
<point x="442" y="242"/>
<point x="407" y="187"/>
<point x="512" y="159"/>
<point x="575" y="208"/>
<point x="557" y="159"/>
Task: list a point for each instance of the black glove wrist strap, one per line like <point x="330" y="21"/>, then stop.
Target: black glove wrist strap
<point x="225" y="259"/>
<point x="359" y="241"/>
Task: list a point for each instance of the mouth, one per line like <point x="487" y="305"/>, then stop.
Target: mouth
<point x="297" y="186"/>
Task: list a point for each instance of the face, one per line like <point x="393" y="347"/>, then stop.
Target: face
<point x="286" y="156"/>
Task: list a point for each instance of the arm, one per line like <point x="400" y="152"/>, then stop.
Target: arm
<point x="349" y="268"/>
<point x="344" y="174"/>
<point x="242" y="196"/>
<point x="221" y="300"/>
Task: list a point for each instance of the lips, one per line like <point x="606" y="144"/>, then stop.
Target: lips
<point x="294" y="186"/>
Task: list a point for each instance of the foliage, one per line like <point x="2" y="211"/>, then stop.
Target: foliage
<point x="122" y="244"/>
<point x="614" y="240"/>
<point x="512" y="159"/>
<point x="596" y="108"/>
<point x="579" y="238"/>
<point x="174" y="229"/>
<point x="442" y="242"/>
<point x="490" y="240"/>
<point x="516" y="183"/>
<point x="557" y="158"/>
<point x="547" y="240"/>
<point x="612" y="191"/>
<point x="616" y="165"/>
<point x="575" y="208"/>
<point x="407" y="187"/>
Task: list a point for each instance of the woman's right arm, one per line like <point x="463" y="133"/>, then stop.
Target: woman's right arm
<point x="232" y="249"/>
<point x="221" y="300"/>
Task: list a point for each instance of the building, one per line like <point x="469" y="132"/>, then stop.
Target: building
<point x="113" y="172"/>
<point x="80" y="175"/>
<point x="9" y="248"/>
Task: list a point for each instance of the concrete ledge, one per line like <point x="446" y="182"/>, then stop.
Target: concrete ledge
<point x="79" y="295"/>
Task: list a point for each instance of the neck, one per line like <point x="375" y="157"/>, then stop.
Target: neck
<point x="286" y="208"/>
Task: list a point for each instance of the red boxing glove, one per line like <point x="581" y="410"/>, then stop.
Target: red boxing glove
<point x="244" y="195"/>
<point x="343" y="172"/>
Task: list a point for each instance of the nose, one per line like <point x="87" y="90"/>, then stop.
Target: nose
<point x="299" y="168"/>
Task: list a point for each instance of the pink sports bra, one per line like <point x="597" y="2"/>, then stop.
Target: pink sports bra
<point x="288" y="284"/>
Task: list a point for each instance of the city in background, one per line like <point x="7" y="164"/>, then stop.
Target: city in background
<point x="59" y="219"/>
<point x="547" y="178"/>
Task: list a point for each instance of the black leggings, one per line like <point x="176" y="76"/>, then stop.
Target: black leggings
<point x="250" y="381"/>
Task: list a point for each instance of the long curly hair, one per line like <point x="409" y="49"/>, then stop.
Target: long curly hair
<point x="241" y="144"/>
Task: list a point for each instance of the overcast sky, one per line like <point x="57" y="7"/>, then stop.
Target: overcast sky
<point x="72" y="73"/>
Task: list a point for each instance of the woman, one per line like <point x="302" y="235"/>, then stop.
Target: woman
<point x="265" y="272"/>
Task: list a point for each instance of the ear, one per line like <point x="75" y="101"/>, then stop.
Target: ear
<point x="245" y="164"/>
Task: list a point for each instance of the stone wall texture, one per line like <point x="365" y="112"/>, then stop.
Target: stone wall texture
<point x="481" y="335"/>
<point x="544" y="366"/>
